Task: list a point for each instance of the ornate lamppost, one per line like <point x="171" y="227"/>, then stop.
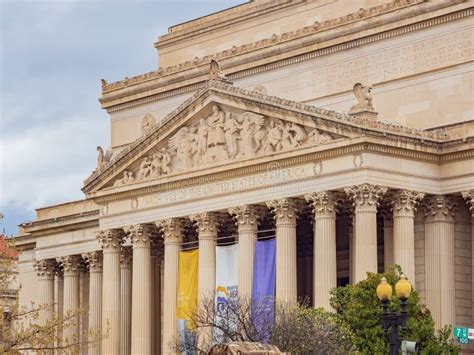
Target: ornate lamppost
<point x="394" y="320"/>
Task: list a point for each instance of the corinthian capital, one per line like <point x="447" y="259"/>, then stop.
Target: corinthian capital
<point x="365" y="195"/>
<point x="111" y="238"/>
<point x="245" y="216"/>
<point x="172" y="229"/>
<point x="94" y="259"/>
<point x="70" y="264"/>
<point x="126" y="256"/>
<point x="469" y="197"/>
<point x="45" y="268"/>
<point x="140" y="234"/>
<point x="284" y="209"/>
<point x="406" y="201"/>
<point x="323" y="203"/>
<point x="439" y="208"/>
<point x="206" y="223"/>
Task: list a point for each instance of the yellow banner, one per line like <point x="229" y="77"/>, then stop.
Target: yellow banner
<point x="187" y="284"/>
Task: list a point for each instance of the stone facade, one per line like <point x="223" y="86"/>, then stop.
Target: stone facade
<point x="348" y="134"/>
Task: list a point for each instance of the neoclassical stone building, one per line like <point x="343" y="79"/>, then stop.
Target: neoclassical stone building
<point x="261" y="121"/>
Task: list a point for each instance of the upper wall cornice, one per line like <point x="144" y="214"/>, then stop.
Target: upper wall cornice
<point x="320" y="39"/>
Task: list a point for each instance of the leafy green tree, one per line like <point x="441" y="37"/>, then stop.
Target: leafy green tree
<point x="359" y="308"/>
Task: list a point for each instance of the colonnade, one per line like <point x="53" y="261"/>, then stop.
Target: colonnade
<point x="124" y="283"/>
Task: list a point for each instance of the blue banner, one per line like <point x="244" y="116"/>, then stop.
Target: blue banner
<point x="263" y="293"/>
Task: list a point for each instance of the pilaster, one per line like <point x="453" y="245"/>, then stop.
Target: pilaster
<point x="324" y="244"/>
<point x="285" y="211"/>
<point x="365" y="198"/>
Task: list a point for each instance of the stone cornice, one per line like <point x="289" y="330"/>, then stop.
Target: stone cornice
<point x="62" y="224"/>
<point x="292" y="48"/>
<point x="331" y="121"/>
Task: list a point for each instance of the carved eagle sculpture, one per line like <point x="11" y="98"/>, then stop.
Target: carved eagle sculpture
<point x="363" y="95"/>
<point x="215" y="71"/>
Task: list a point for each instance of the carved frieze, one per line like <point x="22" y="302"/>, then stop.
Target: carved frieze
<point x="219" y="137"/>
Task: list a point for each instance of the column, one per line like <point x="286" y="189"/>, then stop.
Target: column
<point x="440" y="275"/>
<point x="286" y="281"/>
<point x="126" y="300"/>
<point x="140" y="235"/>
<point x="246" y="218"/>
<point x="469" y="197"/>
<point x="94" y="259"/>
<point x="365" y="199"/>
<point x="404" y="207"/>
<point x="111" y="241"/>
<point x="71" y="265"/>
<point x="387" y="215"/>
<point x="84" y="303"/>
<point x="59" y="298"/>
<point x="324" y="247"/>
<point x="45" y="270"/>
<point x="207" y="230"/>
<point x="156" y="256"/>
<point x="172" y="233"/>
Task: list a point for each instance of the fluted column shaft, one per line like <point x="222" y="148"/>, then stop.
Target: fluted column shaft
<point x="388" y="239"/>
<point x="59" y="299"/>
<point x="324" y="247"/>
<point x="126" y="300"/>
<point x="365" y="198"/>
<point x="156" y="252"/>
<point x="141" y="290"/>
<point x="172" y="233"/>
<point x="246" y="218"/>
<point x="404" y="208"/>
<point x="439" y="259"/>
<point x="94" y="259"/>
<point x="286" y="272"/>
<point x="45" y="271"/>
<point x="71" y="267"/>
<point x="84" y="281"/>
<point x="111" y="241"/>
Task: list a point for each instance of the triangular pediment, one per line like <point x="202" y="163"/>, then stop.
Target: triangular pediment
<point x="219" y="125"/>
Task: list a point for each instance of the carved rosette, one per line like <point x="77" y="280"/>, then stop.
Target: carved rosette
<point x="439" y="208"/>
<point x="469" y="197"/>
<point x="126" y="257"/>
<point x="94" y="260"/>
<point x="70" y="264"/>
<point x="206" y="223"/>
<point x="323" y="203"/>
<point x="285" y="211"/>
<point x="140" y="234"/>
<point x="365" y="196"/>
<point x="111" y="239"/>
<point x="405" y="202"/>
<point x="246" y="216"/>
<point x="172" y="229"/>
<point x="45" y="269"/>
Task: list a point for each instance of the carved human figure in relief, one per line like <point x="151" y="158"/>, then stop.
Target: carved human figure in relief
<point x="148" y="123"/>
<point x="165" y="161"/>
<point x="126" y="179"/>
<point x="250" y="133"/>
<point x="315" y="137"/>
<point x="298" y="134"/>
<point x="286" y="137"/>
<point x="202" y="133"/>
<point x="216" y="121"/>
<point x="145" y="169"/>
<point x="231" y="129"/>
<point x="181" y="143"/>
<point x="274" y="137"/>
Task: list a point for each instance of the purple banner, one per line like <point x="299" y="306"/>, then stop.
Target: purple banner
<point x="264" y="286"/>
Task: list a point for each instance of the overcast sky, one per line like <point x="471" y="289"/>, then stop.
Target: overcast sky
<point x="53" y="55"/>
